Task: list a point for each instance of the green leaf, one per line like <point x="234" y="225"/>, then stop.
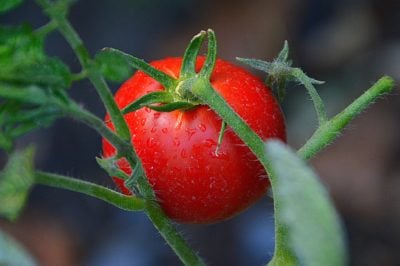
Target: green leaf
<point x="19" y="45"/>
<point x="114" y="68"/>
<point x="23" y="111"/>
<point x="6" y="5"/>
<point x="12" y="253"/>
<point x="23" y="60"/>
<point x="16" y="180"/>
<point x="304" y="208"/>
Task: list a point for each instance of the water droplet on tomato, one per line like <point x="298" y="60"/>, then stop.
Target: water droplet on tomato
<point x="184" y="153"/>
<point x="151" y="142"/>
<point x="164" y="130"/>
<point x="156" y="115"/>
<point x="202" y="127"/>
<point x="153" y="129"/>
<point x="143" y="121"/>
<point x="209" y="143"/>
<point x="176" y="142"/>
<point x="190" y="132"/>
<point x="219" y="155"/>
<point x="147" y="109"/>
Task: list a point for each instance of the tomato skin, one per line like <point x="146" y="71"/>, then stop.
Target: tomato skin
<point x="192" y="182"/>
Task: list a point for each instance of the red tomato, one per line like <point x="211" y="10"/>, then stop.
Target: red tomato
<point x="192" y="182"/>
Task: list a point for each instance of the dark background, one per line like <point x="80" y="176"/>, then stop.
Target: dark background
<point x="349" y="44"/>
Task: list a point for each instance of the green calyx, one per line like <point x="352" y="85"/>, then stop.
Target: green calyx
<point x="178" y="92"/>
<point x="280" y="72"/>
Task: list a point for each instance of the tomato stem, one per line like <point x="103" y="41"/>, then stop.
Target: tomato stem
<point x="330" y="130"/>
<point x="119" y="200"/>
<point x="121" y="140"/>
<point x="93" y="72"/>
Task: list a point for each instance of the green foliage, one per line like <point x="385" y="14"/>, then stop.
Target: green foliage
<point x="7" y="5"/>
<point x="18" y="118"/>
<point x="303" y="206"/>
<point x="23" y="60"/>
<point x="11" y="253"/>
<point x="16" y="179"/>
<point x="114" y="68"/>
<point x="28" y="79"/>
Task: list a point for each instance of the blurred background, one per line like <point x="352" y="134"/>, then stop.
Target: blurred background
<point x="348" y="44"/>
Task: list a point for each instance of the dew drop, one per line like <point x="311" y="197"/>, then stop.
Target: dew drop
<point x="219" y="155"/>
<point x="147" y="109"/>
<point x="156" y="115"/>
<point x="143" y="121"/>
<point x="176" y="142"/>
<point x="190" y="132"/>
<point x="151" y="142"/>
<point x="164" y="130"/>
<point x="202" y="127"/>
<point x="153" y="129"/>
<point x="209" y="143"/>
<point x="184" y="153"/>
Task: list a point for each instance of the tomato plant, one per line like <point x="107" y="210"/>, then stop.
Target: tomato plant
<point x="185" y="138"/>
<point x="195" y="179"/>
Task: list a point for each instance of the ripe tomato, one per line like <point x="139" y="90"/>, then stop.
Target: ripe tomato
<point x="192" y="182"/>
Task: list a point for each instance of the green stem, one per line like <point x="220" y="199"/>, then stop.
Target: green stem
<point x="161" y="222"/>
<point x="79" y="76"/>
<point x="327" y="132"/>
<point x="46" y="29"/>
<point x="121" y="201"/>
<point x="174" y="239"/>
<point x="153" y="210"/>
<point x="82" y="115"/>
<point x="319" y="105"/>
<point x="93" y="73"/>
<point x="330" y="130"/>
<point x="202" y="89"/>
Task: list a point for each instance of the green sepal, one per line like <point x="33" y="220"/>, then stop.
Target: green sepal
<point x="221" y="135"/>
<point x="190" y="56"/>
<point x="280" y="72"/>
<point x="169" y="107"/>
<point x="167" y="81"/>
<point x="148" y="99"/>
<point x="211" y="57"/>
<point x="16" y="180"/>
